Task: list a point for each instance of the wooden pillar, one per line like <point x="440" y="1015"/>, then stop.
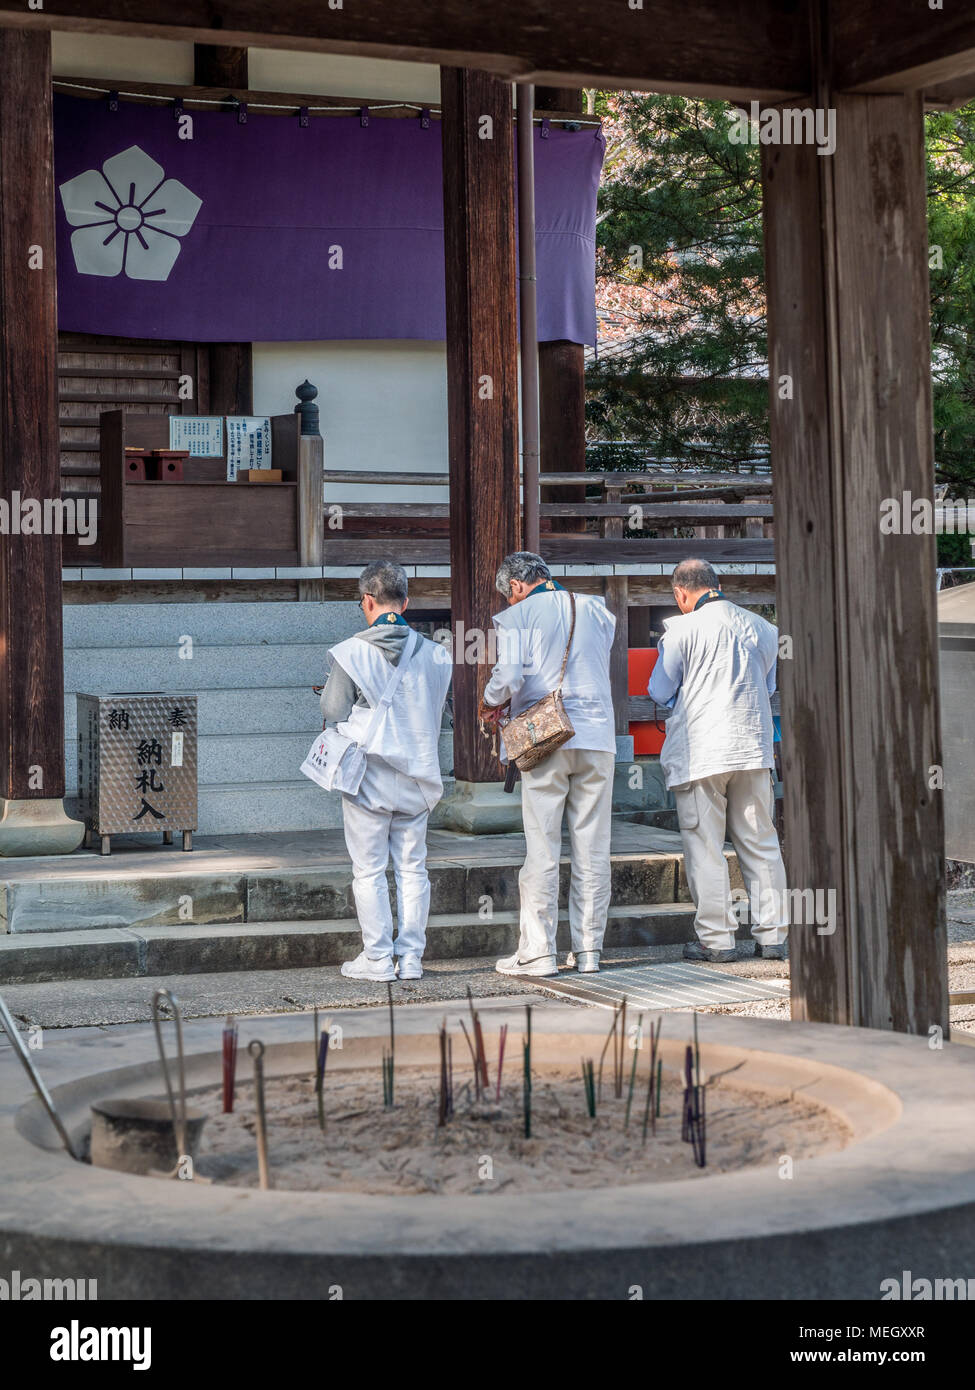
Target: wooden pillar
<point x="231" y="364"/>
<point x="562" y="379"/>
<point x="482" y="379"/>
<point x="32" y="819"/>
<point x="847" y="286"/>
<point x="616" y="592"/>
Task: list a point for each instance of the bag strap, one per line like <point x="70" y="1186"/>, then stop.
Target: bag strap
<point x="572" y="628"/>
<point x="386" y="699"/>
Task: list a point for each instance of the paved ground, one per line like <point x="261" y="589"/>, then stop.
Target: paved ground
<point x="84" y="1003"/>
<point x="132" y="857"/>
<point x="94" y="1003"/>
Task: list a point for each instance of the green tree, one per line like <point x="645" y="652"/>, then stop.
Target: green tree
<point x="683" y="347"/>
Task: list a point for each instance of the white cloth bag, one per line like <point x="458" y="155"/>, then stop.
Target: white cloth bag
<point x="338" y="763"/>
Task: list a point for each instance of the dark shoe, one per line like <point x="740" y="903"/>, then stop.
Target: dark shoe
<point x="693" y="950"/>
<point x="772" y="952"/>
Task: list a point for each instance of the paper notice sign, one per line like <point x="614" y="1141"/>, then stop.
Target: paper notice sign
<point x="176" y="757"/>
<point x="202" y="435"/>
<point x="248" y="443"/>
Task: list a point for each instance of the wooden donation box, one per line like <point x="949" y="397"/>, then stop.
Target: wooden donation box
<point x="160" y="507"/>
<point x="137" y="765"/>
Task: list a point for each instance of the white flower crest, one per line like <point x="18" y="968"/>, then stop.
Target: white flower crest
<point x="129" y="217"/>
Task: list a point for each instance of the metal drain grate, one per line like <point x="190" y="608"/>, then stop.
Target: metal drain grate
<point x="673" y="986"/>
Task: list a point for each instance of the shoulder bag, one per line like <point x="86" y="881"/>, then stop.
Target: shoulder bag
<point x="538" y="731"/>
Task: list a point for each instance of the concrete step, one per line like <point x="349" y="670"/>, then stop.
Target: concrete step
<point x="192" y="950"/>
<point x="177" y="891"/>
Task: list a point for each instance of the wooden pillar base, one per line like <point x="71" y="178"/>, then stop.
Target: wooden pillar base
<point x="37" y="827"/>
<point x="482" y="808"/>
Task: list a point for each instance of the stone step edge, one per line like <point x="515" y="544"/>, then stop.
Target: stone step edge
<point x="127" y="952"/>
<point x="177" y="864"/>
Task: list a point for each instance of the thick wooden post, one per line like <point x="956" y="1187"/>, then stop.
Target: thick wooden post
<point x="482" y="379"/>
<point x="847" y="284"/>
<point x="32" y="819"/>
<point x="231" y="365"/>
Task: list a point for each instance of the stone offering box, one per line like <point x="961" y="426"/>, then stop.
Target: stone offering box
<point x="137" y="765"/>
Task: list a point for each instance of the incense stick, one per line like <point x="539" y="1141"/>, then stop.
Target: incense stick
<point x="229" y="1063"/>
<point x="610" y="1037"/>
<point x="652" y="1107"/>
<point x="526" y="1085"/>
<point x="443" y="1108"/>
<point x="622" y="1051"/>
<point x="629" y="1094"/>
<point x="320" y="1077"/>
<point x="256" y="1050"/>
<point x="477" y="1070"/>
<point x="316" y="1045"/>
<point x="589" y="1083"/>
<point x="480" y="1055"/>
<point x="502" y="1035"/>
<point x="389" y="1058"/>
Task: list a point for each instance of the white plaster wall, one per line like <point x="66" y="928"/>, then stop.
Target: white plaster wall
<point x="105" y="55"/>
<point x="277" y="70"/>
<point x="383" y="406"/>
<point x="269" y="69"/>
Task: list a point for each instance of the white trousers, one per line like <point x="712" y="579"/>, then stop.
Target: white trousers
<point x="737" y="806"/>
<point x="576" y="783"/>
<point x="388" y="816"/>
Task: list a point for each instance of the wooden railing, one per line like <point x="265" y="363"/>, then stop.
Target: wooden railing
<point x="727" y="515"/>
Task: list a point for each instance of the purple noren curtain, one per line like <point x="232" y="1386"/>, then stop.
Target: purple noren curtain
<point x="268" y="231"/>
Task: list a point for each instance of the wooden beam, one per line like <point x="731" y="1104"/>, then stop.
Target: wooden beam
<point x="562" y="411"/>
<point x="701" y="48"/>
<point x="482" y="379"/>
<point x="285" y="104"/>
<point x="562" y="376"/>
<point x="31" y="659"/>
<point x="219" y="66"/>
<point x="900" y="46"/>
<point x="559" y="550"/>
<point x="847" y="289"/>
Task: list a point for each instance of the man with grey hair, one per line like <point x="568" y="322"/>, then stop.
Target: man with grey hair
<point x="576" y="781"/>
<point x="401" y="784"/>
<point x="715" y="670"/>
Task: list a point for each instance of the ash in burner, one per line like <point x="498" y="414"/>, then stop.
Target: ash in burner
<point x="482" y="1149"/>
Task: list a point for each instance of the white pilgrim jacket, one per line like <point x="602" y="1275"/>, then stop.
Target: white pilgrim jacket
<point x="722" y="716"/>
<point x="531" y="641"/>
<point x="408" y="735"/>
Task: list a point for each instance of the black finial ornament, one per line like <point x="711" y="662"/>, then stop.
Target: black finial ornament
<point x="307" y="408"/>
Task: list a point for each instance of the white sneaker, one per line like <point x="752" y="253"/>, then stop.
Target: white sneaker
<point x="513" y="965"/>
<point x="586" y="962"/>
<point x="410" y="967"/>
<point x="363" y="968"/>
